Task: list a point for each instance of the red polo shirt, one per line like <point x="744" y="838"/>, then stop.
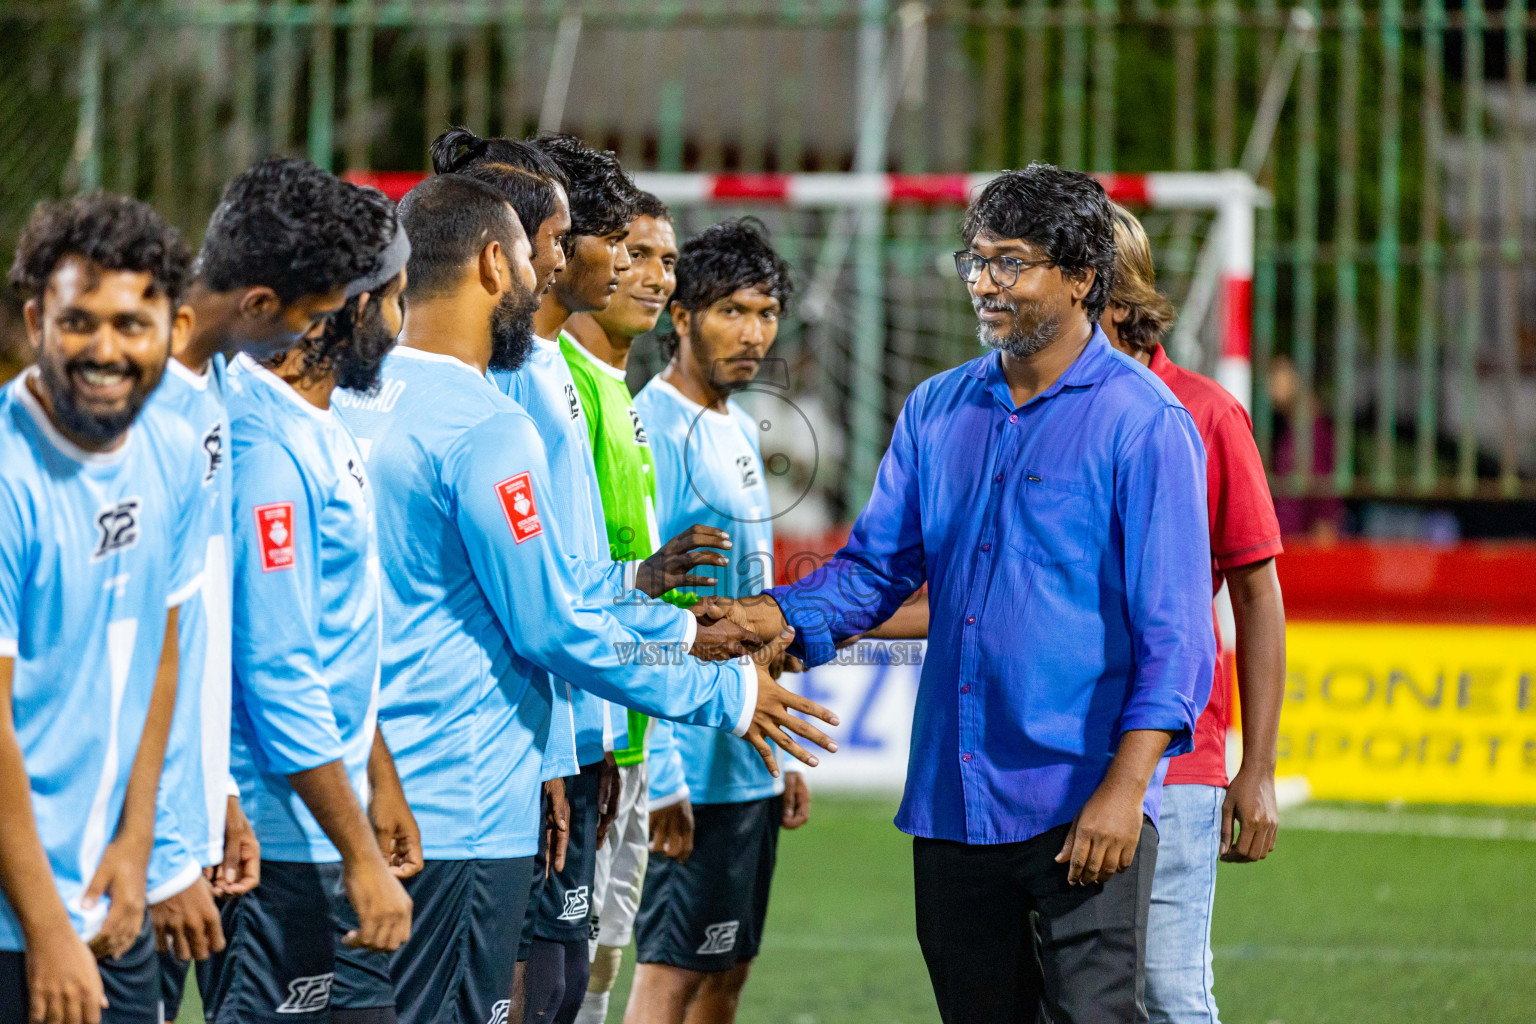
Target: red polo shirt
<point x="1244" y="530"/>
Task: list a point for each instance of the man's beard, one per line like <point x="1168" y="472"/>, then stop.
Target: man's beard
<point x="512" y="328"/>
<point x="1032" y="330"/>
<point x="93" y="428"/>
<point x="358" y="363"/>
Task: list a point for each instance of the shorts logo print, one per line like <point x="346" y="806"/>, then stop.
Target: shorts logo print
<point x="577" y="905"/>
<point x="719" y="938"/>
<point x="499" y="1011"/>
<point x="308" y="995"/>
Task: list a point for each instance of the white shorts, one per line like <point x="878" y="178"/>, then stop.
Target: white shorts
<point x="621" y="862"/>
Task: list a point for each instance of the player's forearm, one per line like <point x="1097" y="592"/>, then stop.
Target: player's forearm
<point x="1259" y="611"/>
<point x="909" y="622"/>
<point x="328" y="794"/>
<point x="25" y="876"/>
<point x="136" y="828"/>
<point x="382" y="776"/>
<point x="1131" y="769"/>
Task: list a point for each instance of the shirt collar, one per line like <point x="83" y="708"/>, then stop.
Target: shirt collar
<point x="1090" y="367"/>
<point x="281" y="387"/>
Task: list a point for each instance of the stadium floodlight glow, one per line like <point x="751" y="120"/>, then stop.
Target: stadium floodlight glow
<point x="1224" y="275"/>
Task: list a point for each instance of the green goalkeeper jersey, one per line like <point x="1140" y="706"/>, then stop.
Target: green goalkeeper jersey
<point x="626" y="478"/>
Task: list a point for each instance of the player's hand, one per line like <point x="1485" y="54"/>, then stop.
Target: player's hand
<point x="774" y="714"/>
<point x="241" y="870"/>
<point x="721" y="640"/>
<point x="557" y="825"/>
<point x="673" y="565"/>
<point x="672" y="830"/>
<point x="394" y="826"/>
<point x="1102" y="838"/>
<point x="188" y="923"/>
<point x="382" y="906"/>
<point x="609" y="787"/>
<point x="63" y="982"/>
<point x="797" y="800"/>
<point x="759" y="615"/>
<point x="1250" y="804"/>
<point x="121" y="877"/>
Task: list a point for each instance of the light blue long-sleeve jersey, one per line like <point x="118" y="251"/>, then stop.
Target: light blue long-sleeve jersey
<point x="194" y="785"/>
<point x="484" y="605"/>
<point x="90" y="560"/>
<point x="709" y="471"/>
<point x="306" y="607"/>
<point x="544" y="388"/>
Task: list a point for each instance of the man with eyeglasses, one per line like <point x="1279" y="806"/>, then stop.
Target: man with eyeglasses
<point x="1052" y="496"/>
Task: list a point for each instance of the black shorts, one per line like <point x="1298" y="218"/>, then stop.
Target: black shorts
<point x="560" y="905"/>
<point x="706" y="913"/>
<point x="279" y="960"/>
<point x="131" y="983"/>
<point x="458" y="965"/>
<point x="173" y="983"/>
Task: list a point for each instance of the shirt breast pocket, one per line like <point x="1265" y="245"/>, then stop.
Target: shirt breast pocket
<point x="1049" y="520"/>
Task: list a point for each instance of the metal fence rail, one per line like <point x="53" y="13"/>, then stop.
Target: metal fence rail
<point x="1390" y="272"/>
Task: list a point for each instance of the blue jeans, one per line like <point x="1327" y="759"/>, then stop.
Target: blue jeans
<point x="1183" y="892"/>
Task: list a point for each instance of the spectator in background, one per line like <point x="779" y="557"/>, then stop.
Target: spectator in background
<point x="1317" y="518"/>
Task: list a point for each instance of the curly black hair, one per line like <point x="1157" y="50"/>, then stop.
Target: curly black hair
<point x="1064" y="213"/>
<point x="647" y="205"/>
<point x="458" y="148"/>
<point x="602" y="195"/>
<point x="326" y="352"/>
<point x="723" y="258"/>
<point x="111" y="231"/>
<point x="290" y="226"/>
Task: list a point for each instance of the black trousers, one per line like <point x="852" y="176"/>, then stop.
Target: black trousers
<point x="1008" y="941"/>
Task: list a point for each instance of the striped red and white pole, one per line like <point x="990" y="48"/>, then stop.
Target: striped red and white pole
<point x="1231" y="194"/>
<point x="1186" y="190"/>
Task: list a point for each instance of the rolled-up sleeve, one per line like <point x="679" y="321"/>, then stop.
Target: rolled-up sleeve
<point x="1161" y="504"/>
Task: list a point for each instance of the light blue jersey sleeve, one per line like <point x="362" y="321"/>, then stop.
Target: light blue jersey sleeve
<point x="13" y="569"/>
<point x="557" y="608"/>
<point x="276" y="651"/>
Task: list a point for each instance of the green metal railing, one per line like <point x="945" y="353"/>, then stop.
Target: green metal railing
<point x="1389" y="273"/>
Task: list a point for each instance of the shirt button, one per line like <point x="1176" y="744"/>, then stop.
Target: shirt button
<point x="998" y="479"/>
<point x="986" y="547"/>
<point x="971" y="621"/>
<point x="1014" y="418"/>
<point x="966" y="688"/>
<point x="966" y="758"/>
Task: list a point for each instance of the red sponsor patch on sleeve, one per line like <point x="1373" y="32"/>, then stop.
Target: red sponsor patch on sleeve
<point x="517" y="504"/>
<point x="274" y="534"/>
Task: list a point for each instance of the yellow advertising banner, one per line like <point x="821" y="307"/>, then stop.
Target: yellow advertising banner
<point x="1424" y="713"/>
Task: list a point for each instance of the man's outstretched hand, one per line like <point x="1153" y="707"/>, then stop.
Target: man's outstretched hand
<point x="759" y="615"/>
<point x="774" y="718"/>
<point x="673" y="565"/>
<point x="720" y="639"/>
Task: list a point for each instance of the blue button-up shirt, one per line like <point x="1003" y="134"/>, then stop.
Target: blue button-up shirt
<point x="1067" y="556"/>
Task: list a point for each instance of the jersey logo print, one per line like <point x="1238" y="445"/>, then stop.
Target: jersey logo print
<point x="119" y="528"/>
<point x="274" y="532"/>
<point x="572" y="401"/>
<point x="641" y="439"/>
<point x="577" y="905"/>
<point x="308" y="995"/>
<point x="499" y="1011"/>
<point x="517" y="504"/>
<point x="357" y="474"/>
<point x="719" y="938"/>
<point x="747" y="465"/>
<point x="213" y="448"/>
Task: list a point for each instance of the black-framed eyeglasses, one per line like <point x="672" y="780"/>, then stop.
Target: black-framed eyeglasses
<point x="1005" y="269"/>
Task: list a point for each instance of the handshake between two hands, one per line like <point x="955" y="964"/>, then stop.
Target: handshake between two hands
<point x="754" y="627"/>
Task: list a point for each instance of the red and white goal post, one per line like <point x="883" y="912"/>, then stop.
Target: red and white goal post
<point x="1223" y="276"/>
